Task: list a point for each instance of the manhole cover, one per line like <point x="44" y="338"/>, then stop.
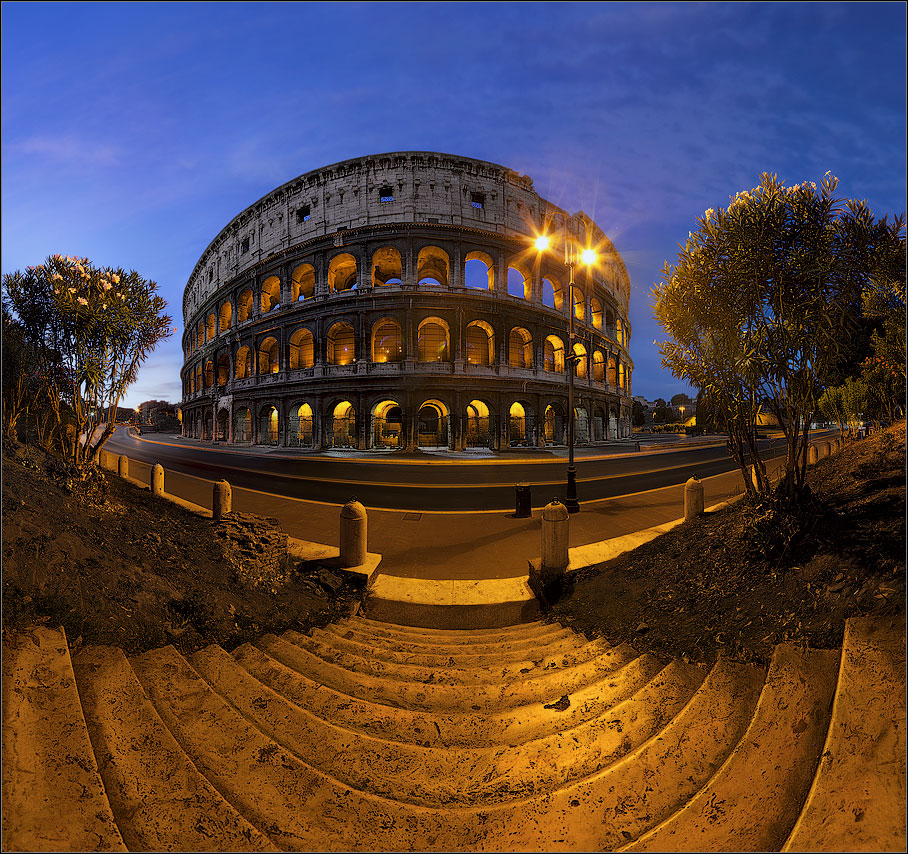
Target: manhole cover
<point x="412" y="517"/>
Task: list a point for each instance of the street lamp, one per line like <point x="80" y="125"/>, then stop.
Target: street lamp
<point x="588" y="257"/>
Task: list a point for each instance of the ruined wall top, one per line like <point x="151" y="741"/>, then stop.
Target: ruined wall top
<point x="383" y="189"/>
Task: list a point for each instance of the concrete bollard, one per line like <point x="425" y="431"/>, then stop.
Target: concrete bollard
<point x="123" y="465"/>
<point x="827" y="449"/>
<point x="222" y="500"/>
<point x="812" y="455"/>
<point x="636" y="446"/>
<point x="353" y="532"/>
<point x="693" y="498"/>
<point x="157" y="479"/>
<point x="555" y="536"/>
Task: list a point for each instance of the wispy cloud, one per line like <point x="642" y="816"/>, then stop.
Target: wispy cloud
<point x="67" y="150"/>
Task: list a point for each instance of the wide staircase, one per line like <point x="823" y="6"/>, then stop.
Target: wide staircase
<point x="371" y="736"/>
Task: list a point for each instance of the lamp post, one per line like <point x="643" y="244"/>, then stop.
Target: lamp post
<point x="588" y="256"/>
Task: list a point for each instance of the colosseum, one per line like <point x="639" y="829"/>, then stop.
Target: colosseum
<point x="399" y="301"/>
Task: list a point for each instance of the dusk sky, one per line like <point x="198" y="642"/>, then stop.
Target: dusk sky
<point x="132" y="132"/>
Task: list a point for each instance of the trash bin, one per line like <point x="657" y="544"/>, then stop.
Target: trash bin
<point x="524" y="503"/>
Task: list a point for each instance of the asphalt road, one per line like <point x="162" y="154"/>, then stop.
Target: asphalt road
<point x="460" y="486"/>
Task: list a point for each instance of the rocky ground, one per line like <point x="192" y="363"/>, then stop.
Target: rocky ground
<point x="117" y="565"/>
<point x="726" y="583"/>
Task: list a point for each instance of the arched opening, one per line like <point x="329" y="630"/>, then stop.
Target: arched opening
<point x="208" y="425"/>
<point x="243" y="363"/>
<point x="242" y="425"/>
<point x="268" y="426"/>
<point x="302" y="282"/>
<point x="432" y="340"/>
<point x="302" y="349"/>
<point x="300" y="427"/>
<point x="269" y="356"/>
<point x="341" y="344"/>
<point x="343" y="426"/>
<point x="432" y="425"/>
<point x="211" y="327"/>
<point x="609" y="324"/>
<point x="596" y="312"/>
<point x="598" y="424"/>
<point x="619" y="331"/>
<point x="478" y="271"/>
<point x="612" y="371"/>
<point x="200" y="334"/>
<point x="244" y="306"/>
<point x="612" y="422"/>
<point x="520" y="426"/>
<point x="225" y="313"/>
<point x="432" y="266"/>
<point x="553" y="355"/>
<point x="520" y="348"/>
<point x="342" y="273"/>
<point x="271" y="293"/>
<point x="552" y="293"/>
<point x="598" y="367"/>
<point x="621" y="375"/>
<point x="480" y="343"/>
<point x="387" y="341"/>
<point x="387" y="425"/>
<point x="579" y="304"/>
<point x="223" y="426"/>
<point x="209" y="374"/>
<point x="198" y="377"/>
<point x="478" y="432"/>
<point x="223" y="369"/>
<point x="579" y="361"/>
<point x="386" y="267"/>
<point x="519" y="283"/>
<point x="554" y="425"/>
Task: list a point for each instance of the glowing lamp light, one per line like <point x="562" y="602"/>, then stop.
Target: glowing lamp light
<point x="542" y="242"/>
<point x="588" y="256"/>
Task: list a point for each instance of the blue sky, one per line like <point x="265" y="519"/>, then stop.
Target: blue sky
<point x="132" y="133"/>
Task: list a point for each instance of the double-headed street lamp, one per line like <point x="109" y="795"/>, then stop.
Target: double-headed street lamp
<point x="588" y="257"/>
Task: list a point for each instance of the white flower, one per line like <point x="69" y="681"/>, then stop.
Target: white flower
<point x="82" y="301"/>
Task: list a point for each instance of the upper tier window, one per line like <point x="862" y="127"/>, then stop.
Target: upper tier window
<point x="477" y="200"/>
<point x="386" y="194"/>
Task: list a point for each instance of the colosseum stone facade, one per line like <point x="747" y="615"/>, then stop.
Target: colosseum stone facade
<point x="399" y="301"/>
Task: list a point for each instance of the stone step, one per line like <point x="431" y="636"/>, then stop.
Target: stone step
<point x="447" y="729"/>
<point x="440" y="669"/>
<point x="857" y="800"/>
<point x="159" y="799"/>
<point x="302" y="808"/>
<point x="53" y="796"/>
<point x="451" y="776"/>
<point x="652" y="781"/>
<point x="299" y="807"/>
<point x="753" y="800"/>
<point x="448" y="637"/>
<point x="387" y="649"/>
<point x="545" y="688"/>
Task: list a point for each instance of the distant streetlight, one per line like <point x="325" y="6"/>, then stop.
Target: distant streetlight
<point x="587" y="257"/>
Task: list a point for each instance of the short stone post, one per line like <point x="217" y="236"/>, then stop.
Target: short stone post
<point x="636" y="446"/>
<point x="827" y="449"/>
<point x="123" y="465"/>
<point x="693" y="498"/>
<point x="555" y="535"/>
<point x="157" y="479"/>
<point x="222" y="500"/>
<point x="353" y="525"/>
<point x="812" y="455"/>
